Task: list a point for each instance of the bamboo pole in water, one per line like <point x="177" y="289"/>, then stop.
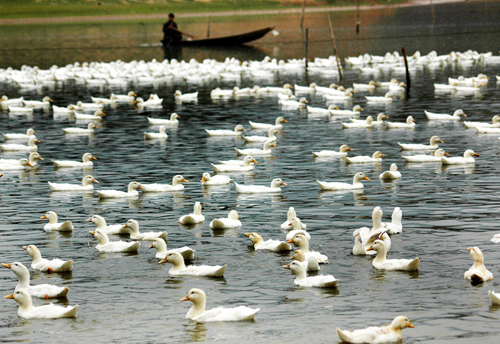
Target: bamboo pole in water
<point x="335" y="47"/>
<point x="306" y="46"/>
<point x="408" y="81"/>
<point x="303" y="14"/>
<point x="208" y="28"/>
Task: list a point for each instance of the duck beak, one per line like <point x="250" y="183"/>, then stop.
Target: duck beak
<point x="283" y="183"/>
<point x="286" y="266"/>
<point x="277" y="132"/>
<point x="469" y="249"/>
<point x="440" y="141"/>
<point x="410" y="325"/>
<point x="349" y="149"/>
<point x="273" y="145"/>
<point x="43" y="217"/>
<point x="40" y="158"/>
<point x="25" y="248"/>
<point x="11" y="296"/>
<point x="290" y="241"/>
<point x="140" y="187"/>
<point x="93" y="158"/>
<point x="203" y="179"/>
<point x="243" y="129"/>
<point x="103" y="114"/>
<point x="382" y="154"/>
<point x="361" y="109"/>
<point x="184" y="180"/>
<point x="285" y="121"/>
<point x="247" y="234"/>
<point x="89" y="220"/>
<point x="151" y="246"/>
<point x="95" y="181"/>
<point x="464" y="115"/>
<point x="255" y="162"/>
<point x="366" y="178"/>
<point x="475" y="154"/>
<point x="289" y="224"/>
<point x="446" y="153"/>
<point x="185" y="298"/>
<point x="369" y="248"/>
<point x="92" y="232"/>
<point x="5" y="265"/>
<point x="37" y="141"/>
<point x="164" y="260"/>
<point x="414" y="121"/>
<point x="178" y="116"/>
<point x="29" y="164"/>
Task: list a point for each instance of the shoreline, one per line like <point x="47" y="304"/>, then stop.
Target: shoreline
<point x="54" y="20"/>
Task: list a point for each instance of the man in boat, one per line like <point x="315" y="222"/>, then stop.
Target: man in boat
<point x="170" y="31"/>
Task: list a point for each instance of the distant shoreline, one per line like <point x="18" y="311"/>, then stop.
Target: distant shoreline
<point x="73" y="19"/>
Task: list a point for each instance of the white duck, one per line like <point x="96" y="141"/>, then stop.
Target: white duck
<point x="443" y="116"/>
<point x="438" y="154"/>
<point x="248" y="165"/>
<point x="301" y="240"/>
<point x="367" y="123"/>
<point x="410" y="123"/>
<point x="478" y="272"/>
<point x="395" y="226"/>
<point x="291" y="214"/>
<point x="161" y="135"/>
<point x="223" y="223"/>
<point x="412" y="146"/>
<point x="494" y="297"/>
<point x="102" y="226"/>
<point x="89" y="130"/>
<point x="86" y="185"/>
<point x="208" y="180"/>
<point x="33" y="157"/>
<point x="180" y="268"/>
<point x="86" y="162"/>
<point x="18" y="147"/>
<point x="271" y="245"/>
<point x="20" y="165"/>
<point x="310" y="264"/>
<point x="266" y="150"/>
<point x="160" y="121"/>
<point x="133" y="226"/>
<point x="467" y="159"/>
<point x="89" y="106"/>
<point x="161" y="249"/>
<point x="271" y="137"/>
<point x="46" y="291"/>
<point x="297" y="227"/>
<point x="471" y="125"/>
<point x="294" y="104"/>
<point x="198" y="313"/>
<point x="124" y="98"/>
<point x="380" y="119"/>
<point x="5" y="102"/>
<point x="356" y="111"/>
<point x="320" y="281"/>
<point x="179" y="97"/>
<point x="380" y="262"/>
<point x="195" y="217"/>
<point x="53" y="225"/>
<point x="224" y="132"/>
<point x="61" y="110"/>
<point x="356" y="183"/>
<point x="132" y="192"/>
<point x="387" y="98"/>
<point x="29" y="134"/>
<point x="176" y="185"/>
<point x="375" y="158"/>
<point x="27" y="311"/>
<point x="377" y="335"/>
<point x="105" y="245"/>
<point x="274" y="188"/>
<point x="392" y="174"/>
<point x="45" y="265"/>
<point x="321" y="111"/>
<point x="277" y="124"/>
<point x="330" y="153"/>
<point x="378" y="231"/>
<point x="97" y="116"/>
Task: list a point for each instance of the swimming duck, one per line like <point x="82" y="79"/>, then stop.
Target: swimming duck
<point x="89" y="130"/>
<point x="392" y="174"/>
<point x="5" y="102"/>
<point x="141" y="104"/>
<point x="294" y="104"/>
<point x="195" y="217"/>
<point x="46" y="291"/>
<point x="218" y="93"/>
<point x="198" y="313"/>
<point x="17" y="147"/>
<point x="335" y="186"/>
<point x="18" y="110"/>
<point x="86" y="185"/>
<point x="29" y="134"/>
<point x="161" y="249"/>
<point x="33" y="157"/>
<point x="53" y="225"/>
<point x="438" y="154"/>
<point x="27" y="311"/>
<point x="89" y="106"/>
<point x="105" y="245"/>
<point x="223" y="132"/>
<point x="467" y="159"/>
<point x="159" y="121"/>
<point x="301" y="240"/>
<point x="322" y="111"/>
<point x="97" y="116"/>
<point x="443" y="116"/>
<point x="327" y="153"/>
<point x="375" y="334"/>
<point x="100" y="222"/>
<point x="478" y="272"/>
<point x="410" y="123"/>
<point x="180" y="268"/>
<point x="60" y="110"/>
<point x="378" y="231"/>
<point x="124" y="98"/>
<point x="305" y="89"/>
<point x="297" y="227"/>
<point x="86" y="162"/>
<point x="179" y="97"/>
<point x="395" y="226"/>
<point x="176" y="185"/>
<point x="471" y="125"/>
<point x="20" y="165"/>
<point x="320" y="281"/>
<point x="271" y="245"/>
<point x="224" y="223"/>
<point x="494" y="297"/>
<point x="380" y="262"/>
<point x="365" y="87"/>
<point x="248" y="165"/>
<point x="45" y="265"/>
<point x="266" y="150"/>
<point x="270" y="138"/>
<point x="387" y="98"/>
<point x="133" y="226"/>
<point x="367" y="123"/>
<point x="274" y="188"/>
<point x="354" y="112"/>
<point x="162" y="134"/>
<point x="376" y="157"/>
<point x="207" y="180"/>
<point x="380" y="119"/>
<point x="291" y="214"/>
<point x="132" y="192"/>
<point x="277" y="124"/>
<point x="310" y="264"/>
<point x="433" y="144"/>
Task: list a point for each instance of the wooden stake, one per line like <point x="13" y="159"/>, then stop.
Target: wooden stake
<point x="303" y="14"/>
<point x="332" y="36"/>
<point x="408" y="81"/>
<point x="208" y="28"/>
<point x="306" y="45"/>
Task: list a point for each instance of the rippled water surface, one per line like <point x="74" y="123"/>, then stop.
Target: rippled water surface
<point x="130" y="298"/>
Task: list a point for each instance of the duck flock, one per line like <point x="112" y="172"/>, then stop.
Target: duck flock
<point x="150" y="95"/>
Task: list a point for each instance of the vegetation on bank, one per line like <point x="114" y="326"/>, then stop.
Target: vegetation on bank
<point x="12" y="9"/>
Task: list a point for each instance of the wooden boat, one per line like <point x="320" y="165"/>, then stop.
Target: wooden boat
<point x="226" y="40"/>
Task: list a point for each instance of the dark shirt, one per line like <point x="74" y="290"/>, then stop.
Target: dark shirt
<point x="169" y="33"/>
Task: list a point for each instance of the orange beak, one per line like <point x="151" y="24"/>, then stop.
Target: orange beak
<point x="184" y="180"/>
<point x="37" y="141"/>
<point x="255" y="162"/>
<point x="283" y="183"/>
<point x="382" y="154"/>
<point x="92" y="232"/>
<point x="151" y="246"/>
<point x="243" y="129"/>
<point x="446" y="153"/>
<point x="369" y="248"/>
<point x="290" y="241"/>
<point x="366" y="178"/>
<point x="277" y="132"/>
<point x="25" y="248"/>
<point x="95" y="181"/>
<point x="410" y="325"/>
<point x="29" y="164"/>
<point x="89" y="220"/>
<point x="11" y="296"/>
<point x="185" y="298"/>
<point x="475" y="154"/>
<point x="273" y="145"/>
<point x="203" y="179"/>
<point x="93" y="158"/>
<point x="285" y="121"/>
<point x="248" y="234"/>
<point x="5" y="265"/>
<point x="469" y="249"/>
<point x="440" y="141"/>
<point x="43" y="217"/>
<point x="140" y="187"/>
<point x="286" y="266"/>
<point x="164" y="260"/>
<point x="349" y="149"/>
<point x="40" y="158"/>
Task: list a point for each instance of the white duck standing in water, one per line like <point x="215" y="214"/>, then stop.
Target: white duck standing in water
<point x="377" y="335"/>
<point x="271" y="245"/>
<point x="478" y="272"/>
<point x="45" y="265"/>
<point x="53" y="225"/>
<point x="321" y="281"/>
<point x="86" y="185"/>
<point x="290" y="215"/>
<point x="180" y="268"/>
<point x="310" y="264"/>
<point x="194" y="218"/>
<point x="101" y="224"/>
<point x="133" y="226"/>
<point x="161" y="249"/>
<point x="382" y="263"/>
<point x="392" y="174"/>
<point x="46" y="291"/>
<point x="28" y="311"/>
<point x="231" y="221"/>
<point x="176" y="185"/>
<point x="274" y="188"/>
<point x="301" y="240"/>
<point x="104" y="245"/>
<point x="198" y="313"/>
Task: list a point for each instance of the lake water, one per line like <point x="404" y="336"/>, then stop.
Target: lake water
<point x="128" y="298"/>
